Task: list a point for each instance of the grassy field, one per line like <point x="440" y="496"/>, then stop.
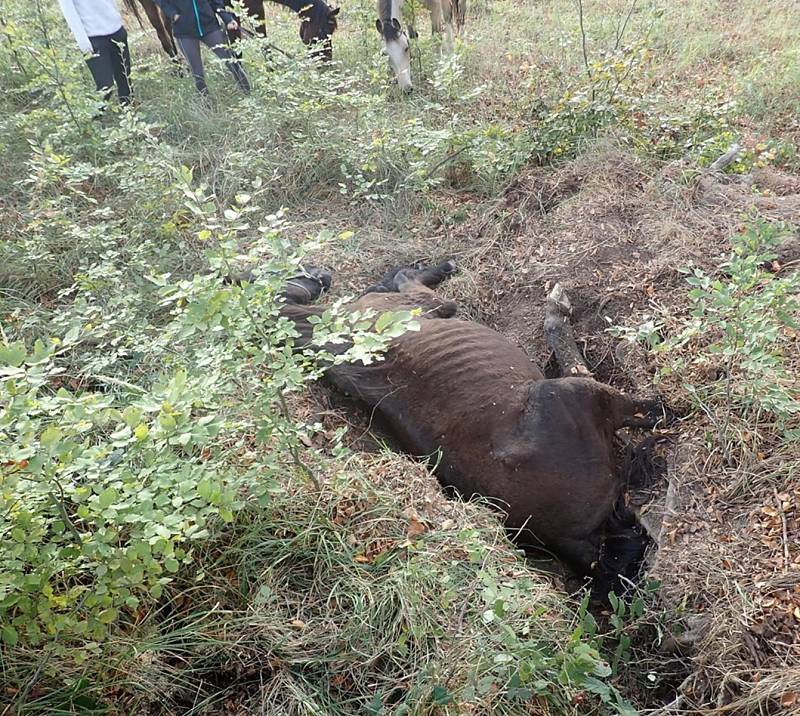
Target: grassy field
<point x="190" y="525"/>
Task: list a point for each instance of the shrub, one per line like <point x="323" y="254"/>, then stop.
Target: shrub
<point x="732" y="352"/>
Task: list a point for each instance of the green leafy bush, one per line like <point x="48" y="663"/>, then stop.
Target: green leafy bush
<point x="732" y="351"/>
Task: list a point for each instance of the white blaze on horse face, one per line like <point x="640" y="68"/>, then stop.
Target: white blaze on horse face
<point x="397" y="50"/>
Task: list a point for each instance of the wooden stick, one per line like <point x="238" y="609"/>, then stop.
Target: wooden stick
<point x="729" y="157"/>
<point x="784" y="530"/>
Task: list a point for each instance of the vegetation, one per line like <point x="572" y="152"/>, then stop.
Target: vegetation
<point x="182" y="529"/>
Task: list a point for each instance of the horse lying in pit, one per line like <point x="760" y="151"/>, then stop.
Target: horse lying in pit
<point x="492" y="425"/>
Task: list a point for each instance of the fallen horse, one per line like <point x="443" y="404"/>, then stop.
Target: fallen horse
<point x="462" y="396"/>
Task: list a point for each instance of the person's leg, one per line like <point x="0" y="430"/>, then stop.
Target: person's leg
<point x="190" y="47"/>
<point x="217" y="42"/>
<point x="121" y="64"/>
<point x="100" y="65"/>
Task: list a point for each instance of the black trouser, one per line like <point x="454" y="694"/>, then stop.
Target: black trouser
<point x="216" y="40"/>
<point x="111" y="64"/>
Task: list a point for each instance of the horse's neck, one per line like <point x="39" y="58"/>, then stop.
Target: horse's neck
<point x="387" y="9"/>
<point x="296" y="5"/>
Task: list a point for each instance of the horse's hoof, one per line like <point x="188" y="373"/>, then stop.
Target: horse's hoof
<point x="324" y="277"/>
<point x="449" y="267"/>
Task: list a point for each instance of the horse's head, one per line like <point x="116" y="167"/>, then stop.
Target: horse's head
<point x="317" y="27"/>
<point x="396" y="48"/>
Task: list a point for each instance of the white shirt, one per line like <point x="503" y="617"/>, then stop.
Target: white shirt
<point x="87" y="18"/>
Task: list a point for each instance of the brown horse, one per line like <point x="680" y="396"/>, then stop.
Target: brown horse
<point x="318" y="23"/>
<point x="461" y="395"/>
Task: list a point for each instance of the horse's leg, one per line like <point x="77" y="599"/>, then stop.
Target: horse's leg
<point x="417" y="284"/>
<point x="157" y="21"/>
<point x="297" y="294"/>
<point x="449" y="34"/>
<point x="255" y="9"/>
<point x="458" y="11"/>
<point x="430" y="276"/>
<point x="643" y="413"/>
<point x="437" y="16"/>
<point x="558" y="332"/>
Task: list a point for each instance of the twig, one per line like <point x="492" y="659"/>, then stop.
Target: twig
<point x="249" y="33"/>
<point x="62" y="508"/>
<point x="12" y="45"/>
<point x="784" y="531"/>
<point x="444" y="161"/>
<point x="621" y="31"/>
<point x="56" y="75"/>
<point x="583" y="44"/>
<point x="299" y="464"/>
<point x="117" y="381"/>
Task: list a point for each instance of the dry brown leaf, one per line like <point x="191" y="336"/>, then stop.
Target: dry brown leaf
<point x="415" y="529"/>
<point x="297" y="624"/>
<point x="790" y="698"/>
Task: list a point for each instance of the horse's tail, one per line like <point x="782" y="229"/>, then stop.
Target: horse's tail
<point x="133" y="7"/>
<point x="622" y="554"/>
<point x="626" y="541"/>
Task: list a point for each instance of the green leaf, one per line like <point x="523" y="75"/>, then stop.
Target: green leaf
<point x="204" y="488"/>
<point x="9" y="635"/>
<point x="132" y="416"/>
<point x="171" y="564"/>
<point x="107" y="497"/>
<point x="13" y="355"/>
<point x="50" y="436"/>
<point x="141" y="432"/>
<point x="107" y="616"/>
<point x="441" y="695"/>
<point x="384" y="320"/>
<point x="226" y="514"/>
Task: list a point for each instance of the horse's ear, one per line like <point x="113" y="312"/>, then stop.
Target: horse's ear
<point x="335" y="11"/>
<point x="379" y="25"/>
<point x="396" y="24"/>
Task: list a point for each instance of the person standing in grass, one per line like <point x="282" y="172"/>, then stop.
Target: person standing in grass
<point x="98" y="29"/>
<point x="195" y="21"/>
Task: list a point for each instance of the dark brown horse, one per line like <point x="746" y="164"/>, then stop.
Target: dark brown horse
<point x="462" y="396"/>
<point x="318" y="23"/>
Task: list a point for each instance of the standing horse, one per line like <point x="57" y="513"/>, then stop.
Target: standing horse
<point x="318" y="23"/>
<point x="445" y="14"/>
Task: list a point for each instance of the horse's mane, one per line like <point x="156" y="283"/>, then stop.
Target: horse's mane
<point x="133" y="6"/>
<point x="385" y="12"/>
<point x="317" y="12"/>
